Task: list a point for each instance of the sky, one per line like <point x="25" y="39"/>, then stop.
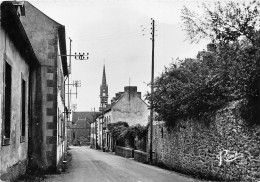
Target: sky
<point x="111" y="32"/>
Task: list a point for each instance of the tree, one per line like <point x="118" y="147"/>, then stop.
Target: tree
<point x="223" y="22"/>
<point x="234" y="27"/>
<point x="231" y="71"/>
<point x="116" y="130"/>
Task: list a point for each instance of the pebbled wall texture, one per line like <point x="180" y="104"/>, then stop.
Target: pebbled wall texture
<point x="225" y="149"/>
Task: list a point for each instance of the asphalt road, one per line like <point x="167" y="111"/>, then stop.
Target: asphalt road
<point x="89" y="165"/>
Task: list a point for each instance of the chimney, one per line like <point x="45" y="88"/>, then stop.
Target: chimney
<point x="118" y="94"/>
<point x="211" y="47"/>
<point x="112" y="100"/>
<point x="139" y="94"/>
<point x="131" y="89"/>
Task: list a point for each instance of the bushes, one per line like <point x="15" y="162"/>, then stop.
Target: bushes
<point x="128" y="136"/>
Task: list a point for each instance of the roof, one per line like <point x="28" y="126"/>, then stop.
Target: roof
<point x="120" y="95"/>
<point x="11" y="23"/>
<point x="112" y="104"/>
<point x="81" y="119"/>
<point x="63" y="50"/>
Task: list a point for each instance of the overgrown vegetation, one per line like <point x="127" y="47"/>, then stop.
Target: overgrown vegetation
<point x="128" y="136"/>
<point x="230" y="71"/>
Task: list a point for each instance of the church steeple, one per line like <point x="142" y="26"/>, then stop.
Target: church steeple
<point x="103" y="92"/>
<point x="104" y="81"/>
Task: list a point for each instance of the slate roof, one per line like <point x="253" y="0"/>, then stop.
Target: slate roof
<point x="82" y="119"/>
<point x="118" y="97"/>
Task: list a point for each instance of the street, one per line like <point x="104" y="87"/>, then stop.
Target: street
<point x="90" y="165"/>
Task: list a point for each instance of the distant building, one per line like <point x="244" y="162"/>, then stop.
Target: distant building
<point x="126" y="106"/>
<point x="103" y="92"/>
<point x="94" y="131"/>
<point x="18" y="65"/>
<point x="80" y="129"/>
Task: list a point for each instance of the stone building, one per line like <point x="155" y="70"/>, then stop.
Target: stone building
<point x="47" y="139"/>
<point x="94" y="130"/>
<point x="126" y="106"/>
<point x="80" y="129"/>
<point x="18" y="64"/>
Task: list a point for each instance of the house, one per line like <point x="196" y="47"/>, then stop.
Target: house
<point x="94" y="131"/>
<point x="80" y="129"/>
<point x="47" y="135"/>
<point x="126" y="106"/>
<point x="18" y="65"/>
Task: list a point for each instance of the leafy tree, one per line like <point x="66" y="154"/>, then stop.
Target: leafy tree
<point x="223" y="22"/>
<point x="116" y="130"/>
<point x="231" y="71"/>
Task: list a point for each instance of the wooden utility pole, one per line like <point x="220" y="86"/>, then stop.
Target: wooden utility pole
<point x="152" y="89"/>
<point x="69" y="83"/>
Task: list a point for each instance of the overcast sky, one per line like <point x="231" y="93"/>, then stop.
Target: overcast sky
<point x="110" y="31"/>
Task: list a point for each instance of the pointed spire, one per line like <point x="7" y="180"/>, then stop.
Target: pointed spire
<point x="104" y="82"/>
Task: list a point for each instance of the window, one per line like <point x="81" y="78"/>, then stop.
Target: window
<point x="7" y="104"/>
<point x="23" y="105"/>
<point x="73" y="135"/>
<point x="162" y="132"/>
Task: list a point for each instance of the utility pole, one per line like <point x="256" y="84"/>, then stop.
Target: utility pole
<point x="77" y="57"/>
<point x="77" y="83"/>
<point x="152" y="89"/>
<point x="69" y="82"/>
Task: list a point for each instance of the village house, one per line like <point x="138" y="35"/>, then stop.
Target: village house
<point x="126" y="106"/>
<point x="94" y="131"/>
<point x="18" y="65"/>
<point x="80" y="129"/>
<point x="47" y="134"/>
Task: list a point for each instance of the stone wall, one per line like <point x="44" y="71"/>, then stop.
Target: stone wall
<point x="140" y="156"/>
<point x="225" y="149"/>
<point x="124" y="152"/>
<point x="15" y="171"/>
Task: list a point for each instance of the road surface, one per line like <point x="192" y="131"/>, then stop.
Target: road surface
<point x="90" y="165"/>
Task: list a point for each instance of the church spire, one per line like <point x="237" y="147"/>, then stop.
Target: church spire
<point x="103" y="92"/>
<point x="104" y="81"/>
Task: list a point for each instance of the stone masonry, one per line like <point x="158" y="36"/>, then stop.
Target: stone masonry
<point x="225" y="149"/>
